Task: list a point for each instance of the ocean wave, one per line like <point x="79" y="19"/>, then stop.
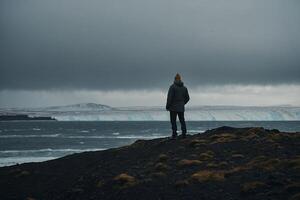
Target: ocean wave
<point x="115" y="136"/>
<point x="196" y="131"/>
<point x="15" y="129"/>
<point x="29" y="136"/>
<point x="49" y="150"/>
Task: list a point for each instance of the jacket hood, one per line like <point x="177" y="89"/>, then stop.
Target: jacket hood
<point x="178" y="83"/>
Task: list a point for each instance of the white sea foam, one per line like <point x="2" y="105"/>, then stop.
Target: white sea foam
<point x="202" y="113"/>
<point x="29" y="136"/>
<point x="146" y="130"/>
<point x="195" y="131"/>
<point x="139" y="137"/>
<point x="49" y="150"/>
<point x="117" y="137"/>
<point x="18" y="160"/>
<point x="85" y="136"/>
<point x="156" y="134"/>
<point x="15" y="129"/>
<point x="20" y="156"/>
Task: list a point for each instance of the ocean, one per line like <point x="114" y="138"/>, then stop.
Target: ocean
<point x="34" y="141"/>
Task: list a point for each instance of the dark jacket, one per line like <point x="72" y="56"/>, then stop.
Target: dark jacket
<point x="178" y="96"/>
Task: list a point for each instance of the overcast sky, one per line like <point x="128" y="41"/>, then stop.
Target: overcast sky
<point x="123" y="53"/>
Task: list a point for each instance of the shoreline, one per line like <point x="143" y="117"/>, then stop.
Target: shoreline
<point x="239" y="163"/>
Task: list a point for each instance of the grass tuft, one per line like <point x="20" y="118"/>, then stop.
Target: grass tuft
<point x="223" y="138"/>
<point x="124" y="180"/>
<point x="197" y="143"/>
<point x="207" y="175"/>
<point x="217" y="165"/>
<point x="188" y="163"/>
<point x="208" y="155"/>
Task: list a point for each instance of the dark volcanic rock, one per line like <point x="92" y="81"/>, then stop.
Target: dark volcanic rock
<point x="223" y="163"/>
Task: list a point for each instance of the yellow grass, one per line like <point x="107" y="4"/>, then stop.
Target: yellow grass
<point x="197" y="143"/>
<point x="223" y="138"/>
<point x="208" y="155"/>
<point x="268" y="165"/>
<point x="188" y="163"/>
<point x="125" y="180"/>
<point x="207" y="175"/>
<point x="217" y="165"/>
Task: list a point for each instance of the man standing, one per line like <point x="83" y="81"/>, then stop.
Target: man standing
<point x="178" y="96"/>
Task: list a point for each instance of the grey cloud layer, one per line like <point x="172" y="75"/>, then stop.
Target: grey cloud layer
<point x="137" y="44"/>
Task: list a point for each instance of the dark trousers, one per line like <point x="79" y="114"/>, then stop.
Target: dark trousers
<point x="173" y="116"/>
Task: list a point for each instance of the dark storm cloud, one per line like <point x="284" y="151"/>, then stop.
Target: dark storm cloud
<point x="137" y="44"/>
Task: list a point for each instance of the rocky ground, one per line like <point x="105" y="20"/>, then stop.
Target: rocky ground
<point x="224" y="163"/>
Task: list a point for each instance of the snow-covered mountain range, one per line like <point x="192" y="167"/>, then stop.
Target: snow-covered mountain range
<point x="99" y="112"/>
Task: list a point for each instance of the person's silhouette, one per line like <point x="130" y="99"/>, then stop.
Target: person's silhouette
<point x="178" y="96"/>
